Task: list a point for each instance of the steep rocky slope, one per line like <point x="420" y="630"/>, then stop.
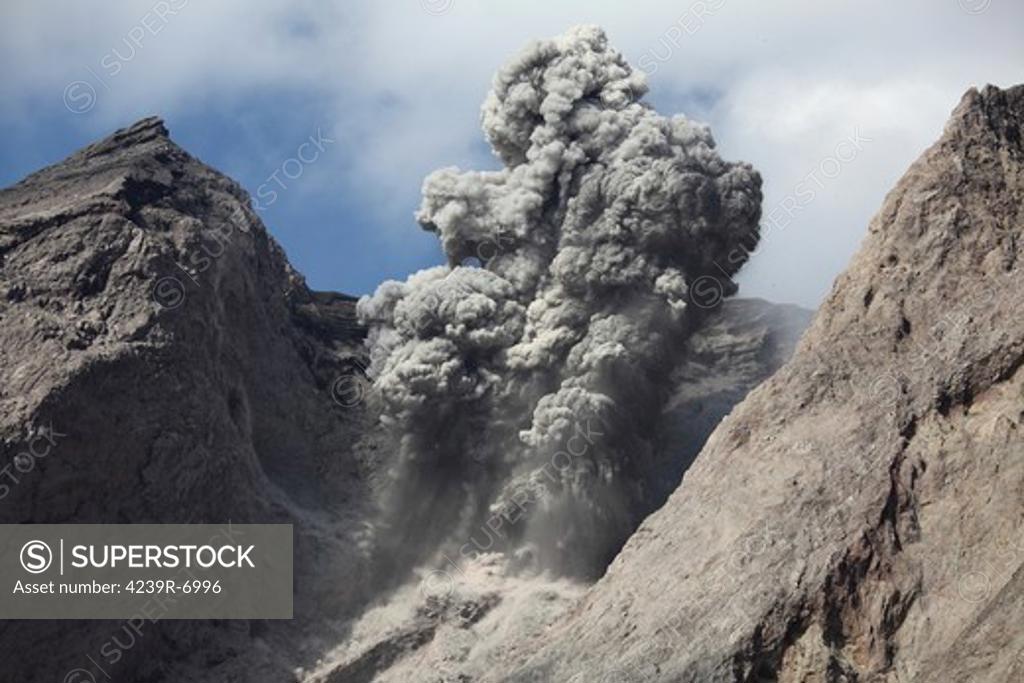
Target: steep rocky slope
<point x="160" y="361"/>
<point x="858" y="516"/>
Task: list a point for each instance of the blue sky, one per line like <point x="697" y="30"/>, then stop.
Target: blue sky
<point x="836" y="97"/>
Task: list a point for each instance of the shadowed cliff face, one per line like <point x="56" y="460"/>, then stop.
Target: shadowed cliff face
<point x="857" y="517"/>
<point x="131" y="257"/>
<point x="160" y="361"/>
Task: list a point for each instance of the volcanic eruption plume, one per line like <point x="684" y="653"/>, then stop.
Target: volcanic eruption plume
<point x="522" y="381"/>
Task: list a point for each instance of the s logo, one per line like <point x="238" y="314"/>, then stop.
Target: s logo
<point x="36" y="557"/>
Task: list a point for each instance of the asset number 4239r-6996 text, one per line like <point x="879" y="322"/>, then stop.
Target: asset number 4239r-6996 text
<point x="171" y="587"/>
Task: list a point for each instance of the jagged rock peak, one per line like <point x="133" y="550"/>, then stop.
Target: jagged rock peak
<point x="142" y="132"/>
<point x="999" y="110"/>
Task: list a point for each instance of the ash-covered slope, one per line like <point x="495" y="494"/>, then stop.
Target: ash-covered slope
<point x="858" y="517"/>
<point x="160" y="361"/>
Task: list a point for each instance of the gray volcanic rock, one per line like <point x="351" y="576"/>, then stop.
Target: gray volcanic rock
<point x="858" y="516"/>
<point x="160" y="361"/>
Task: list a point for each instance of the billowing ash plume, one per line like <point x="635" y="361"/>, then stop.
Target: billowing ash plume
<point x="522" y="393"/>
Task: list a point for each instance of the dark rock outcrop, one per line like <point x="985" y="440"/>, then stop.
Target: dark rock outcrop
<point x="858" y="516"/>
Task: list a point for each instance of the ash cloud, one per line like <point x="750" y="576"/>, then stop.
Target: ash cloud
<point x="588" y="242"/>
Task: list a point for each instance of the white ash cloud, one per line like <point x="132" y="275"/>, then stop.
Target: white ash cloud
<point x="589" y="238"/>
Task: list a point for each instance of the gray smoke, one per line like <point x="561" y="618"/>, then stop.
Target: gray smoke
<point x="522" y="381"/>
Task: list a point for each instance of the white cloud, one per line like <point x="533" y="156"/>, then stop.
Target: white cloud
<point x="791" y="80"/>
